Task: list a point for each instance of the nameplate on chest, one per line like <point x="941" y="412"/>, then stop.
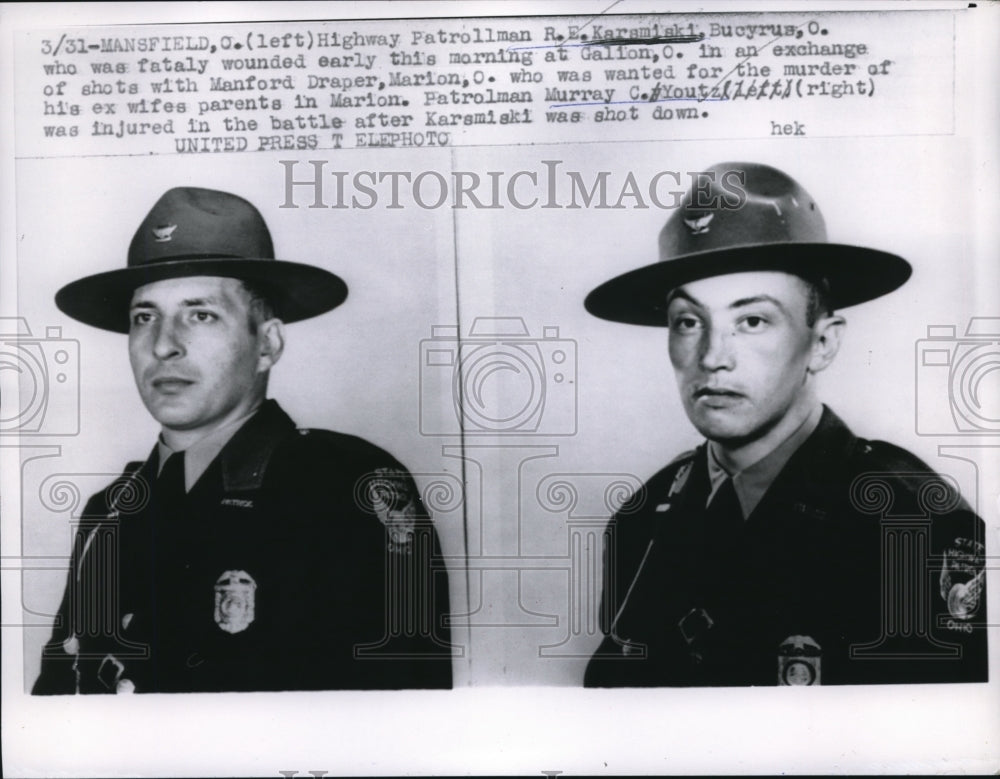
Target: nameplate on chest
<point x="240" y="503"/>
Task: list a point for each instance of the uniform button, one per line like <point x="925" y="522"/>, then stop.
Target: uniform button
<point x="124" y="687"/>
<point x="71" y="645"/>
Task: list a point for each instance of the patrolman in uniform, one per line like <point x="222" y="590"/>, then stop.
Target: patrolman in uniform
<point x="785" y="550"/>
<point x="244" y="553"/>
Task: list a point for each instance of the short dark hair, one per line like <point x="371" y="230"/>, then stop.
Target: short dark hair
<point x="259" y="304"/>
<point x="817" y="300"/>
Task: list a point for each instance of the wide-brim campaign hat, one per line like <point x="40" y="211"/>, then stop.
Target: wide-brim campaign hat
<point x="773" y="225"/>
<point x="202" y="232"/>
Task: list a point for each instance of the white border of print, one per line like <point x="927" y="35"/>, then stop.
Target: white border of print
<point x="497" y="730"/>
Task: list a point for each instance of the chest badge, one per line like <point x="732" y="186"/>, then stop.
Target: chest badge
<point x="234" y="601"/>
<point x="799" y="661"/>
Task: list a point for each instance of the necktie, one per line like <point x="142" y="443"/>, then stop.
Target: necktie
<point x="724" y="512"/>
<point x="169" y="490"/>
<point x="723" y="532"/>
<point x="164" y="596"/>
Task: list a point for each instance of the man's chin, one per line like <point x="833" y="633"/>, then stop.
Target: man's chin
<point x="171" y="416"/>
<point x="722" y="427"/>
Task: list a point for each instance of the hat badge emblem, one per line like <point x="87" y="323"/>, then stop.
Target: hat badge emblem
<point x="163" y="233"/>
<point x="699" y="225"/>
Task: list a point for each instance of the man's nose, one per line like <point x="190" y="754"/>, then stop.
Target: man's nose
<point x="167" y="343"/>
<point x="717" y="350"/>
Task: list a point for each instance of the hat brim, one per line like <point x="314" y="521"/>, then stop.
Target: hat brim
<point x="855" y="275"/>
<point x="296" y="291"/>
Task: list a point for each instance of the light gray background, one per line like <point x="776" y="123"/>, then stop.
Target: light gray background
<point x="360" y="369"/>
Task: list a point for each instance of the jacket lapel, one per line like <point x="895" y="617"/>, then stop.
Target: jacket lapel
<point x="244" y="459"/>
<point x="808" y="488"/>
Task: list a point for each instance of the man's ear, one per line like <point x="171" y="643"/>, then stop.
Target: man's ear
<point x="272" y="343"/>
<point x="827" y="333"/>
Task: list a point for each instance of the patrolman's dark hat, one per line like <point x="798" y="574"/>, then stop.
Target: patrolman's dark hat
<point x="202" y="232"/>
<point x="778" y="227"/>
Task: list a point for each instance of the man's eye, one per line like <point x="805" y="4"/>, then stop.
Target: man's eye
<point x="684" y="324"/>
<point x="141" y="318"/>
<point x="753" y="323"/>
<point x="203" y="316"/>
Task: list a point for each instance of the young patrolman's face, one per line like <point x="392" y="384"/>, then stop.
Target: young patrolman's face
<point x="195" y="360"/>
<point x="743" y="352"/>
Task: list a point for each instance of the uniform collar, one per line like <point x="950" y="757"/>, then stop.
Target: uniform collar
<point x="753" y="482"/>
<point x="200" y="454"/>
<point x="244" y="448"/>
<point x="822" y="460"/>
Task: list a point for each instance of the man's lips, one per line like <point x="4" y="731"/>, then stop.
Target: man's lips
<point x="716" y="392"/>
<point x="171" y="384"/>
<point x="717" y="398"/>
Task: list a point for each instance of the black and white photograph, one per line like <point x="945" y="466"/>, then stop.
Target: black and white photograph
<point x="506" y="388"/>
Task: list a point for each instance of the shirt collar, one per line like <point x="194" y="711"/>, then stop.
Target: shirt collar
<point x="200" y="455"/>
<point x="753" y="481"/>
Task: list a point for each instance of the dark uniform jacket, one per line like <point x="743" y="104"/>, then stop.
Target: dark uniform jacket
<point x="301" y="559"/>
<point x="858" y="566"/>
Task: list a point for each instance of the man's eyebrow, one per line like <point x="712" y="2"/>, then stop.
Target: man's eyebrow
<point x="680" y="292"/>
<point x="758" y="299"/>
<point x="210" y="300"/>
<point x="683" y="294"/>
